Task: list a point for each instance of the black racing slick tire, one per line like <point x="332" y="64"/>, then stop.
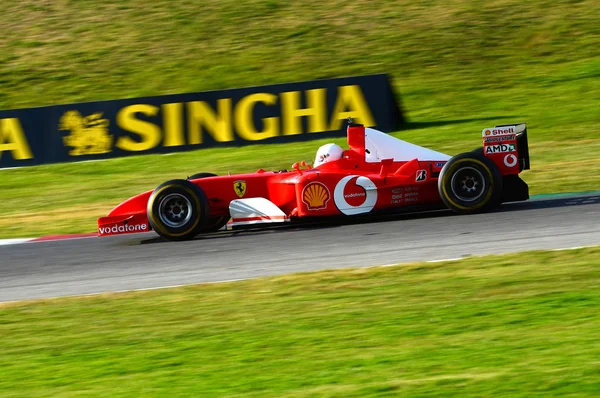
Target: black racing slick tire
<point x="214" y="223"/>
<point x="470" y="183"/>
<point x="178" y="210"/>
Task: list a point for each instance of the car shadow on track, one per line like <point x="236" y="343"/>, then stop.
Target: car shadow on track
<point x="413" y="214"/>
<point x="553" y="202"/>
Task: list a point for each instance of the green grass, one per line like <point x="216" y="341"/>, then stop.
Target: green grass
<point x="522" y="325"/>
<point x="458" y="65"/>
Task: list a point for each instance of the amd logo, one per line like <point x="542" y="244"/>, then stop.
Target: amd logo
<point x="501" y="148"/>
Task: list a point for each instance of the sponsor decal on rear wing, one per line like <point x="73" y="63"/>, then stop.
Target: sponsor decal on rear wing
<point x="498" y="130"/>
<point x="507" y="146"/>
<point x="499" y="139"/>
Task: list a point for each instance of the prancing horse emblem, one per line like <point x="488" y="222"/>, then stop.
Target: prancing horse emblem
<point x="239" y="187"/>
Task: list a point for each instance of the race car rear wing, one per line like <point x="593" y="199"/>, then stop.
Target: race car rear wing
<point x="522" y="144"/>
<point x="506" y="145"/>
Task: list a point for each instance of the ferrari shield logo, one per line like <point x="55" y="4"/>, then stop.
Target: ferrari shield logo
<point x="239" y="187"/>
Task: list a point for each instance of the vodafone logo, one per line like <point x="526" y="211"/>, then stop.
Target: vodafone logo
<point x="355" y="197"/>
<point x="121" y="229"/>
<point x="510" y="160"/>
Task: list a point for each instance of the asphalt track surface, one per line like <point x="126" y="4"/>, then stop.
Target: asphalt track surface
<point x="143" y="261"/>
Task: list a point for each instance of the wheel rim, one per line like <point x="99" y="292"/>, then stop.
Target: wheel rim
<point x="175" y="210"/>
<point x="468" y="184"/>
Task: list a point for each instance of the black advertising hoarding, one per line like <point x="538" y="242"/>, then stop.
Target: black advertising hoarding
<point x="182" y="122"/>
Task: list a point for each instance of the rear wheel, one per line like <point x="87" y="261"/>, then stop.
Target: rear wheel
<point x="178" y="210"/>
<point x="470" y="183"/>
<point x="214" y="223"/>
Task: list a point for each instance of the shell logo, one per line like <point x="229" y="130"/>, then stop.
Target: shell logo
<point x="488" y="132"/>
<point x="316" y="195"/>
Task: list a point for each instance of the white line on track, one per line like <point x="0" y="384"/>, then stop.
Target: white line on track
<point x="6" y="242"/>
<point x="127" y="290"/>
<point x="570" y="248"/>
<point x="447" y="259"/>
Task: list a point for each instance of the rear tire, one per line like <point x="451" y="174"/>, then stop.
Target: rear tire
<point x="178" y="210"/>
<point x="470" y="183"/>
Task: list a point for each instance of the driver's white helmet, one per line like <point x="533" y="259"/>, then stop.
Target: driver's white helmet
<point x="328" y="153"/>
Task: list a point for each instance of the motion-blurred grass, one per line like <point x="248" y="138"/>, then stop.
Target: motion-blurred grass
<point x="458" y="65"/>
<point x="522" y="325"/>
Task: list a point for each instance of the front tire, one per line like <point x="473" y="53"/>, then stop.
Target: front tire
<point x="178" y="210"/>
<point x="470" y="183"/>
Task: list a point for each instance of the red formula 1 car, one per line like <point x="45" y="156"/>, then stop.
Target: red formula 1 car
<point x="378" y="173"/>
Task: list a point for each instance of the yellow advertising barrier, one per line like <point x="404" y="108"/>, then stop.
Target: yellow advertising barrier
<point x="263" y="114"/>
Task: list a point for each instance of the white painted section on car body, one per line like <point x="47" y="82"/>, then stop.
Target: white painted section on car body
<point x="383" y="146"/>
<point x="255" y="211"/>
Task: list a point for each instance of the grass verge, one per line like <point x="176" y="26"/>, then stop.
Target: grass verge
<point x="521" y="325"/>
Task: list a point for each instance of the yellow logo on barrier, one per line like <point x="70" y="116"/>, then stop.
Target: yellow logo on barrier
<point x="13" y="139"/>
<point x="89" y="135"/>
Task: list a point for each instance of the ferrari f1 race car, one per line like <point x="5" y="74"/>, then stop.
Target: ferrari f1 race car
<point x="377" y="173"/>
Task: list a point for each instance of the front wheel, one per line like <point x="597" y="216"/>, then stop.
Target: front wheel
<point x="470" y="183"/>
<point x="178" y="210"/>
